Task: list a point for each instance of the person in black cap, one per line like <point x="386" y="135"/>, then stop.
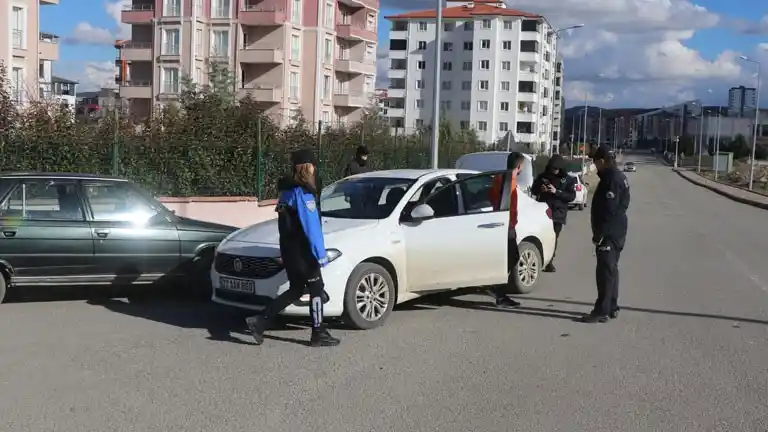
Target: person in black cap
<point x="556" y="188"/>
<point x="302" y="250"/>
<point x="609" y="232"/>
<point x="359" y="164"/>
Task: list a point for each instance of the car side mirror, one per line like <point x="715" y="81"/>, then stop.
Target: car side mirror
<point x="422" y="212"/>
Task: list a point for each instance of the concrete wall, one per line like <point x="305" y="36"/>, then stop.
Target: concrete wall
<point x="235" y="211"/>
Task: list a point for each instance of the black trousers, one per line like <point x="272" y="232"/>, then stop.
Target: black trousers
<point x="558" y="227"/>
<point x="301" y="283"/>
<point x="607" y="278"/>
<point x="513" y="257"/>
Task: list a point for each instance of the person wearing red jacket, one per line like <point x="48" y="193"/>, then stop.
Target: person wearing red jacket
<point x="514" y="164"/>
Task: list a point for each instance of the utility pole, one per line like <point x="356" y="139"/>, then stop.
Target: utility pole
<point x="677" y="149"/>
<point x="436" y="85"/>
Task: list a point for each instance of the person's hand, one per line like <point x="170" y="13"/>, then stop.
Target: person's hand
<point x="551" y="189"/>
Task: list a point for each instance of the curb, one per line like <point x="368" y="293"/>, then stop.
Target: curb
<point x="724" y="193"/>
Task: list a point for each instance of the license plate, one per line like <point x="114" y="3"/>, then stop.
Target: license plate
<point x="239" y="285"/>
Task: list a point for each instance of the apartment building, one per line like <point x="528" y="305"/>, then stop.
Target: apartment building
<point x="742" y="101"/>
<point x="26" y="52"/>
<point x="497" y="71"/>
<point x="558" y="105"/>
<point x="315" y="58"/>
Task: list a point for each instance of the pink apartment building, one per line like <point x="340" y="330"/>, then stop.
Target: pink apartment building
<point x="314" y="57"/>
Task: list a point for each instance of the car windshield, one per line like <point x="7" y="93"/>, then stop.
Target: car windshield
<point x="363" y="197"/>
<point x="630" y="164"/>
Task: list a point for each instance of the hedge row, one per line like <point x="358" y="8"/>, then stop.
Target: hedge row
<point x="206" y="145"/>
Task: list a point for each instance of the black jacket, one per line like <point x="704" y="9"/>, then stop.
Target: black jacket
<point x="565" y="190"/>
<point x="355" y="167"/>
<point x="609" y="207"/>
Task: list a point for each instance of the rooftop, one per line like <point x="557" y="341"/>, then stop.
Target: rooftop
<point x="477" y="8"/>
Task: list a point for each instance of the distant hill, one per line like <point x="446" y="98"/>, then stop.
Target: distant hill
<point x="607" y="113"/>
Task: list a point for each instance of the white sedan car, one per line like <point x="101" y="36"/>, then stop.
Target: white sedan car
<point x="582" y="192"/>
<point x="393" y="236"/>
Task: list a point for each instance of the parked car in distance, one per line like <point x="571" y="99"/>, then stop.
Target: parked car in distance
<point x="81" y="229"/>
<point x="582" y="192"/>
<point x="630" y="167"/>
<point x="392" y="236"/>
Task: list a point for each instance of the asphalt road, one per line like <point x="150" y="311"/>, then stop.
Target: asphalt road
<point x="688" y="353"/>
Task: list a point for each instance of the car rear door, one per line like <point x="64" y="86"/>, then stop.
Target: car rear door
<point x="44" y="235"/>
<point x="134" y="239"/>
<point x="464" y="244"/>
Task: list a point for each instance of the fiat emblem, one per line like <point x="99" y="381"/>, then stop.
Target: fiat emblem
<point x="238" y="265"/>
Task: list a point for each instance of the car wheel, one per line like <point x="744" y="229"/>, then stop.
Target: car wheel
<point x="526" y="275"/>
<point x="198" y="284"/>
<point x="369" y="297"/>
<point x="2" y="288"/>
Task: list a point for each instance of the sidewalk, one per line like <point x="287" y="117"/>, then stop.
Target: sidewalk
<point x="737" y="194"/>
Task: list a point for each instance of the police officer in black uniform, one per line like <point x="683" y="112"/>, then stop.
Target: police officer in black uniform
<point x="609" y="232"/>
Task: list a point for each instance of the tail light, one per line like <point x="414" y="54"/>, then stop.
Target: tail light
<point x="578" y="188"/>
<point x="549" y="213"/>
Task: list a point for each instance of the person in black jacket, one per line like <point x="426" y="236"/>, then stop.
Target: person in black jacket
<point x="302" y="250"/>
<point x="556" y="188"/>
<point x="609" y="232"/>
<point x="359" y="164"/>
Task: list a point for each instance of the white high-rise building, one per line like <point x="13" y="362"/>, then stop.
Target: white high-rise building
<point x="497" y="71"/>
<point x="741" y="101"/>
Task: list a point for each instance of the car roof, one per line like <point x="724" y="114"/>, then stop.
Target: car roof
<point x="53" y="175"/>
<point x="412" y="174"/>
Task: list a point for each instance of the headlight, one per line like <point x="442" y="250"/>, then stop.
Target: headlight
<point x="226" y="239"/>
<point x="332" y="254"/>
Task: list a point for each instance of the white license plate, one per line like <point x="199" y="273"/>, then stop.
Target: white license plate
<point x="239" y="285"/>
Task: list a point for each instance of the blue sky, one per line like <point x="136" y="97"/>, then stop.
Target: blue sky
<point x="676" y="48"/>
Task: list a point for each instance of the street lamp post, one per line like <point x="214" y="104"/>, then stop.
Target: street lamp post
<point x="701" y="140"/>
<point x="556" y="34"/>
<point x="717" y="144"/>
<point x="599" y="126"/>
<point x="757" y="120"/>
<point x="436" y="84"/>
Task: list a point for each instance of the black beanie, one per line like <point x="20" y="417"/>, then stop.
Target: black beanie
<point x="303" y="156"/>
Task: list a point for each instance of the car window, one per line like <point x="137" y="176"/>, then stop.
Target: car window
<point x="42" y="199"/>
<point x="429" y="188"/>
<point x="444" y="202"/>
<point x="118" y="202"/>
<point x="363" y="197"/>
<point x="478" y="194"/>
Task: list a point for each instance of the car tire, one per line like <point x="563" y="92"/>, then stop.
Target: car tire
<point x="198" y="284"/>
<point x="526" y="283"/>
<point x="370" y="281"/>
<point x="3" y="288"/>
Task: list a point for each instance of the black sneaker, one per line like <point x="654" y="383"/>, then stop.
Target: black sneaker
<point x="593" y="319"/>
<point x="257" y="325"/>
<point x="321" y="337"/>
<point x="614" y="314"/>
<point x="550" y="268"/>
<point x="506" y="302"/>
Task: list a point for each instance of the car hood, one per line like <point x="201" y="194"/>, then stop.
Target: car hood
<point x="187" y="224"/>
<point x="266" y="232"/>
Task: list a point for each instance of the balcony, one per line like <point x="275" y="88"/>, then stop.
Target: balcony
<point x="524" y="137"/>
<point x="530" y="57"/>
<point x="136" y="89"/>
<point x="137" y="51"/>
<point x="356" y="32"/>
<point x="138" y="14"/>
<point x="351" y="99"/>
<point x="262" y="92"/>
<point x="355" y="67"/>
<point x="49" y="46"/>
<point x="170" y="52"/>
<point x="257" y="15"/>
<point x="370" y="4"/>
<point x="261" y="56"/>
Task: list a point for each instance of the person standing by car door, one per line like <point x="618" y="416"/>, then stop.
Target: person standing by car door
<point x="359" y="164"/>
<point x="556" y="188"/>
<point x="609" y="232"/>
<point x="514" y="165"/>
<point x="302" y="250"/>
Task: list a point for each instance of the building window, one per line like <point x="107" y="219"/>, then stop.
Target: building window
<point x="447" y="46"/>
<point x="483" y="85"/>
<point x="419" y="103"/>
<point x="506" y="45"/>
<point x="530" y="26"/>
<point x="328" y="53"/>
<point x="171" y="39"/>
<point x="422" y="45"/>
<point x="170" y="80"/>
<point x="421" y="65"/>
<point x="482" y="106"/>
<point x="420" y="84"/>
<point x="507" y="25"/>
<point x="469" y="26"/>
<point x="505" y="86"/>
<point x="446" y="85"/>
<point x="503" y="127"/>
<point x="505" y="65"/>
<point x="422" y="26"/>
<point x="295" y="47"/>
<point x="445" y="105"/>
<point x="485" y="44"/>
<point x="296" y="12"/>
<point x="463" y="125"/>
<point x="19" y="28"/>
<point x="329" y="12"/>
<point x="485" y="64"/>
<point x="17" y="84"/>
<point x="220" y="9"/>
<point x="220" y="43"/>
<point x="327" y="87"/>
<point x="486" y="23"/>
<point x="199" y="76"/>
<point x="199" y="42"/>
<point x="294" y="85"/>
<point x="172" y="8"/>
<point x="467" y="46"/>
<point x="447" y="66"/>
<point x="482" y="126"/>
<point x="504" y="106"/>
<point x="466" y="105"/>
<point x="466" y="85"/>
<point x="419" y="123"/>
<point x="449" y="26"/>
<point x="467" y="66"/>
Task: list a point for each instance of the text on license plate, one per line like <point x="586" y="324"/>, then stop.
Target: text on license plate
<point x="239" y="285"/>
